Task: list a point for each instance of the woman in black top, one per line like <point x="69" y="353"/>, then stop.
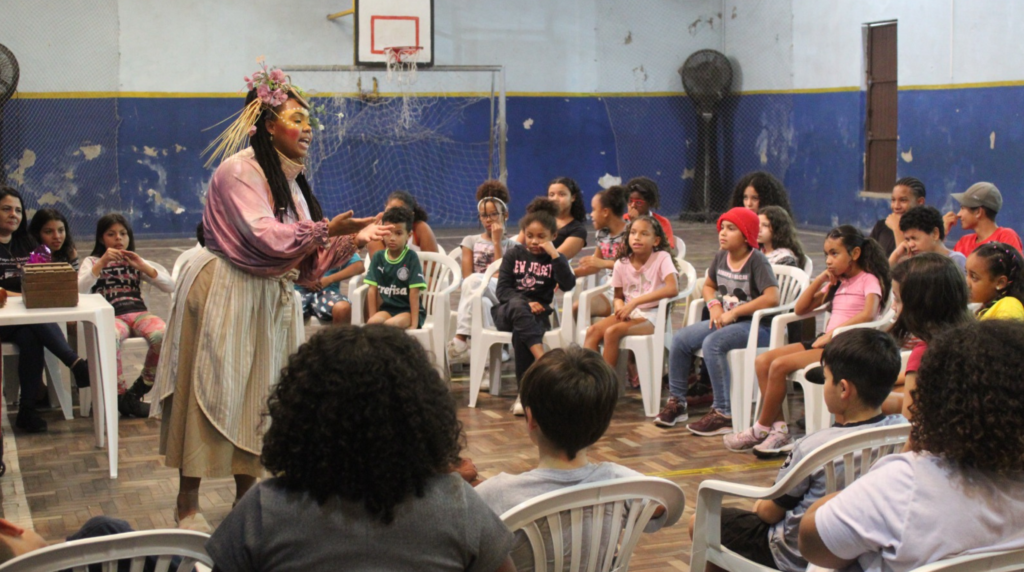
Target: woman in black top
<point x="15" y="247"/>
<point x="907" y="193"/>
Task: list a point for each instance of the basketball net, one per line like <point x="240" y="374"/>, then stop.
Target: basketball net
<point x="401" y="61"/>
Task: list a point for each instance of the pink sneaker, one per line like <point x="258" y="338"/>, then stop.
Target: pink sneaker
<point x="745" y="441"/>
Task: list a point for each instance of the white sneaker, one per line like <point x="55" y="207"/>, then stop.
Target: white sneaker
<point x="504" y="355"/>
<point x="517" y="408"/>
<point x="458" y="351"/>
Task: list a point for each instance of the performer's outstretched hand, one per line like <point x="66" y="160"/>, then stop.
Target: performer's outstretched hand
<point x="345" y="224"/>
<point x="372" y="233"/>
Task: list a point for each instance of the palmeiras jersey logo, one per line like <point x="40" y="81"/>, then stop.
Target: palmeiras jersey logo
<point x="403" y="273"/>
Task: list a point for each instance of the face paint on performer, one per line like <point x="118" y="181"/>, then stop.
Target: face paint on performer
<point x="291" y="130"/>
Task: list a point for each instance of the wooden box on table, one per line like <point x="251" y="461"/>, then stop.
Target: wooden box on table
<point x="51" y="285"/>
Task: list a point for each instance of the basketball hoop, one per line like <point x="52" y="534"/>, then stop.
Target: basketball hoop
<point x="401" y="61"/>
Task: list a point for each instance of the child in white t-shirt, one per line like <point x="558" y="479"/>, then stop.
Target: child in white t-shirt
<point x="478" y="252"/>
<point x="959" y="490"/>
<point x="569" y="396"/>
<point x="644" y="275"/>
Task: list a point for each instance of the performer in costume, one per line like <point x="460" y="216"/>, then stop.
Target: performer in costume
<point x="233" y="320"/>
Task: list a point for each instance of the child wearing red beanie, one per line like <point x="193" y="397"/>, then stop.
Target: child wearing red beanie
<point x="739" y="282"/>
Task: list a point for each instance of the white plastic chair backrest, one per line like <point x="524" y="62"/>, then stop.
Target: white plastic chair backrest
<point x="861" y="450"/>
<point x="680" y="247"/>
<point x="808" y="266"/>
<point x="687" y="282"/>
<point x="792" y="282"/>
<point x="623" y="507"/>
<point x="443" y="275"/>
<point x="1004" y="561"/>
<point x="134" y="546"/>
<point x="456" y="253"/>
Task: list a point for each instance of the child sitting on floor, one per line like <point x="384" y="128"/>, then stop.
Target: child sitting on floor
<point x="526" y="286"/>
<point x="395" y="277"/>
<point x="860" y="368"/>
<point x="569" y="396"/>
<point x="957" y="490"/>
<point x="995" y="279"/>
<point x="115" y="271"/>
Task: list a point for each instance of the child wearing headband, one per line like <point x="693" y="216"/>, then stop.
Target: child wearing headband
<point x="478" y="252"/>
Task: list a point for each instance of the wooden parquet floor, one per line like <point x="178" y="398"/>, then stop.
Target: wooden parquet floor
<point x="58" y="480"/>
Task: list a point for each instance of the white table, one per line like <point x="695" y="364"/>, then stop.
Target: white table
<point x="94" y="310"/>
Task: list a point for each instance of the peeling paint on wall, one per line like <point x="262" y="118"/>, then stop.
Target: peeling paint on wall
<point x="178" y="148"/>
<point x="609" y="180"/>
<point x="992" y="140"/>
<point x="28" y="159"/>
<point x="688" y="173"/>
<point x="528" y="123"/>
<point x="170" y="204"/>
<point x="150" y="151"/>
<point x="91" y="151"/>
<point x="629" y="38"/>
<point x="48" y="199"/>
<point x="908" y="156"/>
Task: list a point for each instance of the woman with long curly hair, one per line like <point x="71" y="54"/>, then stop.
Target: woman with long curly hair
<point x="363" y="434"/>
<point x="758" y="190"/>
<point x="232" y="322"/>
<point x="959" y="489"/>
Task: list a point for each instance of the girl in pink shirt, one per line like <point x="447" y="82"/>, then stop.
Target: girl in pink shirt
<point x="644" y="275"/>
<point x="854" y="284"/>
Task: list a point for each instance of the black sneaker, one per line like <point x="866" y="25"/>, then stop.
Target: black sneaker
<point x="140" y="388"/>
<point x="81" y="372"/>
<point x="129" y="405"/>
<point x="29" y="421"/>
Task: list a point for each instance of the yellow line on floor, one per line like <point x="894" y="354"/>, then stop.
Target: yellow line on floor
<point x="721" y="469"/>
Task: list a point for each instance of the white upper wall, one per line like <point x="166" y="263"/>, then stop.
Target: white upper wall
<point x="575" y="46"/>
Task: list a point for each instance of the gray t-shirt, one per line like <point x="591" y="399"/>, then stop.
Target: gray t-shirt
<point x="737" y="287"/>
<point x="783" y="536"/>
<point x="960" y="260"/>
<point x="274" y="529"/>
<point x="483" y="250"/>
<point x="507" y="491"/>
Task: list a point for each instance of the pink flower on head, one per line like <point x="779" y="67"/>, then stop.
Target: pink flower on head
<point x="252" y="130"/>
<point x="277" y="76"/>
<point x="263" y="92"/>
<point x="278" y="97"/>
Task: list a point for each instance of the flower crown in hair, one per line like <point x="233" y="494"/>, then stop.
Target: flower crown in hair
<point x="273" y="88"/>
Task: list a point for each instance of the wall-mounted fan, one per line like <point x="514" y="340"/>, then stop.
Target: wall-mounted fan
<point x="9" y="74"/>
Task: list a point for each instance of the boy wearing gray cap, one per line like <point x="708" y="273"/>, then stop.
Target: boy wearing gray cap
<point x="979" y="205"/>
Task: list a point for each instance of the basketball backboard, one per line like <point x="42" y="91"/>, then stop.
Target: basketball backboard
<point x="382" y="24"/>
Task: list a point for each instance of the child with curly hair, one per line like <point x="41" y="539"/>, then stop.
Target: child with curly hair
<point x="526" y="286"/>
<point x="362" y="437"/>
<point x="995" y="279"/>
<point x="778" y="239"/>
<point x="758" y="190"/>
<point x="923" y="231"/>
<point x="569" y="396"/>
<point x="478" y="252"/>
<point x="958" y="489"/>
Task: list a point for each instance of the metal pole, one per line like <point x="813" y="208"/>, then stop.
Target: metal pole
<point x="502" y="127"/>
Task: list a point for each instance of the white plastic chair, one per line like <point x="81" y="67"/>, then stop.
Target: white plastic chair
<point x="861" y="450"/>
<point x="630" y="502"/>
<point x="57" y="384"/>
<point x="649" y="350"/>
<point x="1003" y="561"/>
<point x="809" y="266"/>
<point x="816" y="415"/>
<point x="108" y="550"/>
<point x="443" y="276"/>
<point x="680" y="247"/>
<point x="744" y="391"/>
<point x="485" y="351"/>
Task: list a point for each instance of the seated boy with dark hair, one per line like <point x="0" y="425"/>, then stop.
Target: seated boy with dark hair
<point x="860" y="368"/>
<point x="568" y="396"/>
<point x="395" y="277"/>
<point x="924" y="231"/>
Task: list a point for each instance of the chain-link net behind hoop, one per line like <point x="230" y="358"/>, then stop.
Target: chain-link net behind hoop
<point x="437" y="140"/>
<point x="402" y="63"/>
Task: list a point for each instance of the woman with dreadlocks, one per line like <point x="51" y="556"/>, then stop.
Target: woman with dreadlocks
<point x="232" y="322"/>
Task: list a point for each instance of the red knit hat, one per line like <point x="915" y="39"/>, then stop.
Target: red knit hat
<point x="746" y="220"/>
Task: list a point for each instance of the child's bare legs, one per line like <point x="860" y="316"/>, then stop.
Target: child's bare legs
<point x="188" y="492"/>
<point x="341" y="313"/>
<point x="401" y="320"/>
<point x="772" y="369"/>
<point x="611" y="331"/>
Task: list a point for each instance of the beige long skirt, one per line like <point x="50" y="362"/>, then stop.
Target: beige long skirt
<point x="188" y="439"/>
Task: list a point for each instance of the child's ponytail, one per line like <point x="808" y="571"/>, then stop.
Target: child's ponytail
<point x="872" y="258"/>
<point x="1003" y="260"/>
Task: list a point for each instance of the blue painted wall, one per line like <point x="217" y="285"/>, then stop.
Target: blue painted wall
<point x="150" y="166"/>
